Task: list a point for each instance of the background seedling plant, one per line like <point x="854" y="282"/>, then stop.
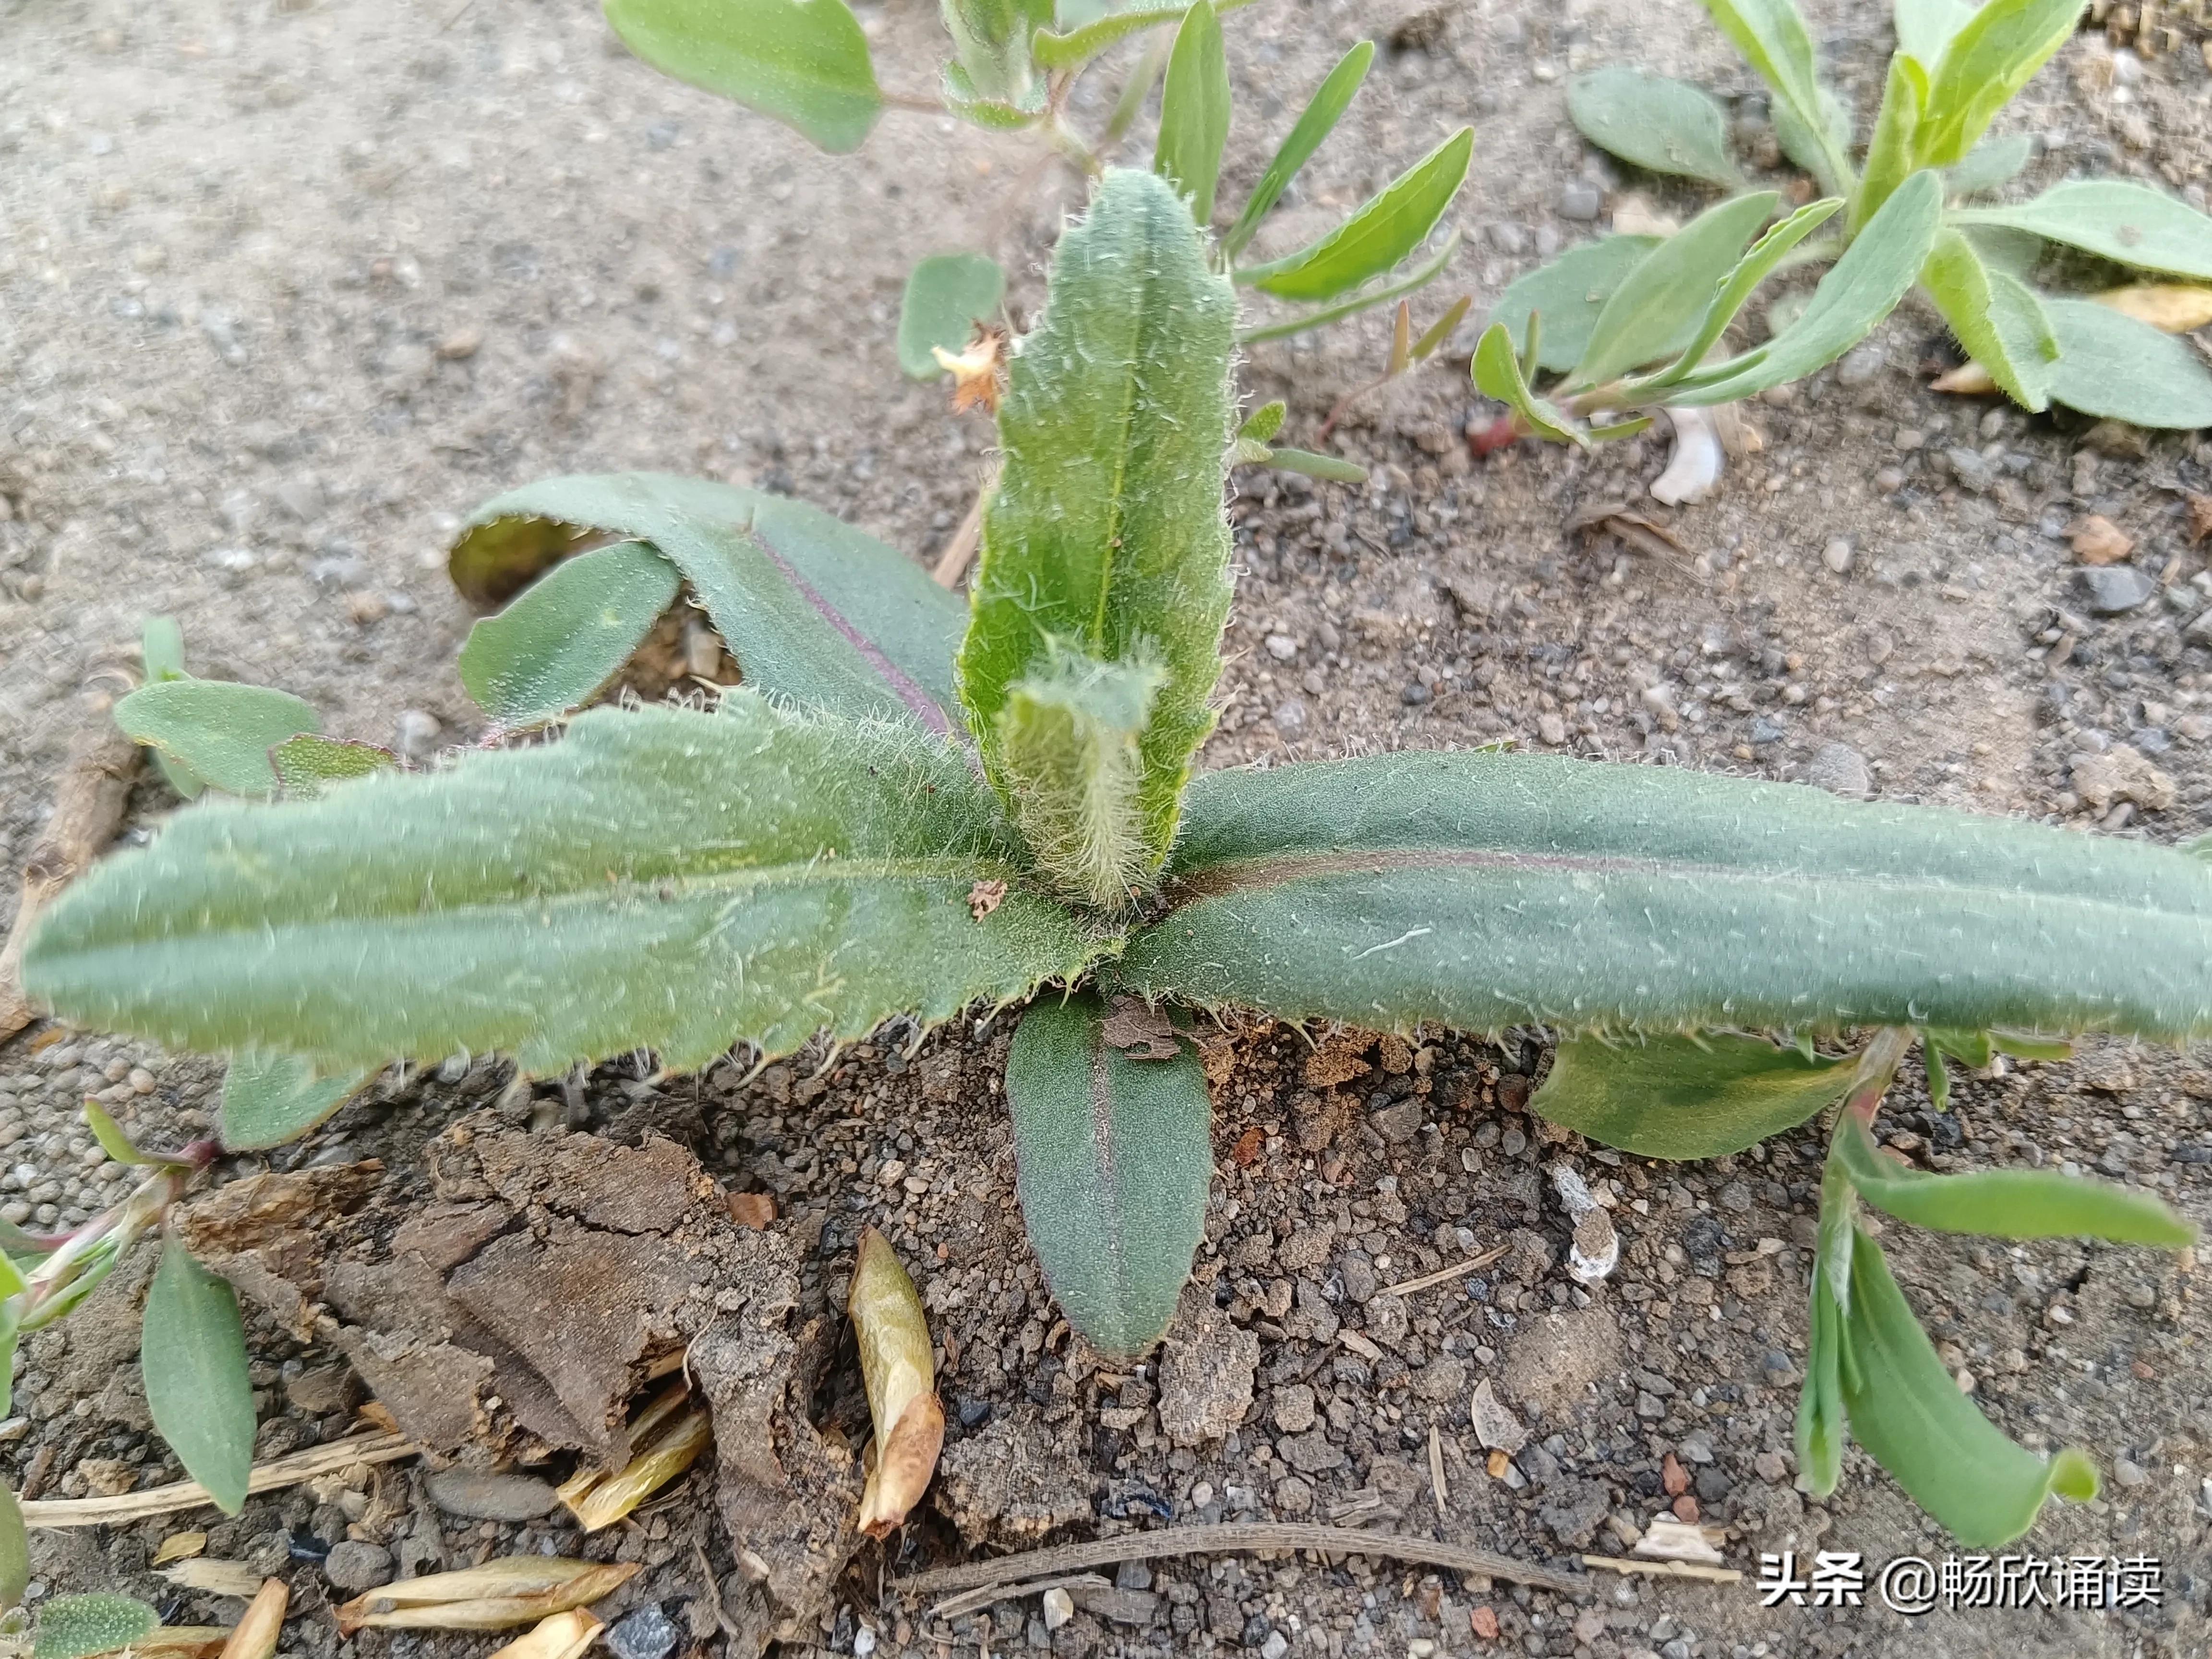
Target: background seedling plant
<point x="1631" y="324"/>
<point x="914" y="805"/>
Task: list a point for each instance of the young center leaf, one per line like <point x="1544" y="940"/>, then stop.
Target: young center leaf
<point x="161" y="646"/>
<point x="946" y="295"/>
<point x="1684" y="1098"/>
<point x="1667" y="126"/>
<point x="1113" y="1152"/>
<point x="1376" y="238"/>
<point x="2112" y="365"/>
<point x="1105" y="536"/>
<point x="1890" y="154"/>
<point x="1996" y="317"/>
<point x="804" y="62"/>
<point x="1667" y="293"/>
<point x="1988" y="164"/>
<point x="1774" y="40"/>
<point x="269" y="1099"/>
<point x="1758" y="263"/>
<point x="991" y="39"/>
<point x="1925" y="27"/>
<point x="1905" y="1410"/>
<point x="1569" y="294"/>
<point x="192" y="1349"/>
<point x="812" y="610"/>
<point x="1321" y="113"/>
<point x="2128" y="223"/>
<point x="566" y="635"/>
<point x="699" y="879"/>
<point x="1069" y="736"/>
<point x="1479" y="892"/>
<point x="1194" y="112"/>
<point x="1994" y="54"/>
<point x="1499" y="373"/>
<point x="219" y="732"/>
<point x="1821" y="1431"/>
<point x="79" y="1626"/>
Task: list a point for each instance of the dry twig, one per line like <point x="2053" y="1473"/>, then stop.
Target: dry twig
<point x="1665" y="1569"/>
<point x="953" y="564"/>
<point x="1458" y="1269"/>
<point x="329" y="1459"/>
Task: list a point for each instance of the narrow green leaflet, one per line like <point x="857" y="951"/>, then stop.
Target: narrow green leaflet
<point x="1333" y="468"/>
<point x="1479" y="892"/>
<point x="1569" y="294"/>
<point x="1113" y="1153"/>
<point x="1105" y="535"/>
<point x="1376" y="238"/>
<point x="1863" y="286"/>
<point x="192" y="1349"/>
<point x="308" y="764"/>
<point x="1925" y="27"/>
<point x="2111" y="365"/>
<point x="1683" y="1098"/>
<point x="1672" y="289"/>
<point x="219" y="731"/>
<point x="1265" y="421"/>
<point x="1497" y="373"/>
<point x="812" y="609"/>
<point x="2022" y="1046"/>
<point x="1419" y="277"/>
<point x="1321" y="113"/>
<point x="78" y="1627"/>
<point x="1906" y="1409"/>
<point x="2128" y="223"/>
<point x="15" y="1551"/>
<point x="1069" y="738"/>
<point x="162" y="644"/>
<point x="804" y="62"/>
<point x="1994" y="54"/>
<point x="1821" y="1431"/>
<point x="566" y="635"/>
<point x="1773" y="39"/>
<point x="1939" y="1076"/>
<point x="8" y="1330"/>
<point x="269" y="1098"/>
<point x="660" y="879"/>
<point x="2006" y="1203"/>
<point x="992" y="38"/>
<point x="2005" y="333"/>
<point x="1988" y="164"/>
<point x="1889" y="158"/>
<point x="946" y="295"/>
<point x="1756" y="265"/>
<point x="1075" y="46"/>
<point x="1821" y="150"/>
<point x="113" y="1141"/>
<point x="1194" y="112"/>
<point x="1667" y="126"/>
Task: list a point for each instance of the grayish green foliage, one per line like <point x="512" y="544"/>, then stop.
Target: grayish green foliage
<point x="269" y="1099"/>
<point x="1684" y="1098"/>
<point x="1988" y="164"/>
<point x="803" y="62"/>
<point x="1318" y="120"/>
<point x="162" y="646"/>
<point x="1992" y="56"/>
<point x="1069" y="738"/>
<point x="565" y="636"/>
<point x="2124" y="222"/>
<point x="1569" y="294"/>
<point x="946" y="295"/>
<point x="1774" y="40"/>
<point x="1995" y="316"/>
<point x="219" y="732"/>
<point x="308" y="764"/>
<point x="1757" y="263"/>
<point x="1669" y="290"/>
<point x="1112" y="1158"/>
<point x="1376" y="237"/>
<point x="2111" y="365"/>
<point x="1665" y="125"/>
<point x="1194" y="111"/>
<point x="1925" y="27"/>
<point x="78" y="1627"/>
<point x="193" y="1353"/>
<point x="1105" y="536"/>
<point x="992" y="38"/>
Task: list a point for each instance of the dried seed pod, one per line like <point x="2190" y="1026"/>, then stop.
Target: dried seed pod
<point x="255" y="1636"/>
<point x="897" y="1365"/>
<point x="669" y="1454"/>
<point x="563" y="1636"/>
<point x="514" y="1590"/>
<point x="641" y="1428"/>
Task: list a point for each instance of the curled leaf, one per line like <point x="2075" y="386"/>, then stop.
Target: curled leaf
<point x="516" y="1589"/>
<point x="897" y="1365"/>
<point x="670" y="1452"/>
<point x="562" y="1635"/>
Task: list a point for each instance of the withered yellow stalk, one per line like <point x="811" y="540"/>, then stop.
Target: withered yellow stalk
<point x="255" y="1636"/>
<point x="515" y="1591"/>
<point x="563" y="1636"/>
<point x="669" y="1454"/>
<point x="899" y="1373"/>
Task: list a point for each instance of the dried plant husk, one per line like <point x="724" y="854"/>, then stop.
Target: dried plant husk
<point x="667" y="1456"/>
<point x="514" y="1590"/>
<point x="640" y="1430"/>
<point x="256" y="1633"/>
<point x="897" y="1365"/>
<point x="562" y="1635"/>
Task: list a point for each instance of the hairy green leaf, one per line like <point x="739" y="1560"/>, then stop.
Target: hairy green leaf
<point x="1996" y="318"/>
<point x="804" y="62"/>
<point x="1925" y="27"/>
<point x="1194" y="112"/>
<point x="1774" y="40"/>
<point x="946" y="295"/>
<point x="79" y="1626"/>
<point x="220" y="732"/>
<point x="1076" y="46"/>
<point x="1682" y="1097"/>
<point x="1988" y="164"/>
<point x="1667" y="126"/>
<point x="1569" y="294"/>
<point x="566" y="635"/>
<point x="2111" y="365"/>
<point x="1994" y="54"/>
<point x="812" y="609"/>
<point x="1497" y="373"/>
<point x="1819" y="150"/>
<point x="1672" y="290"/>
<point x="308" y="764"/>
<point x="992" y="38"/>
<point x="269" y="1099"/>
<point x="2006" y="1203"/>
<point x="1889" y="160"/>
<point x="15" y="1551"/>
<point x="1265" y="421"/>
<point x="1417" y="278"/>
<point x="1756" y="265"/>
<point x="1105" y="536"/>
<point x="2126" y="223"/>
<point x="1068" y="739"/>
<point x="1907" y="1412"/>
<point x="1863" y="287"/>
<point x="1381" y="233"/>
<point x="1333" y="468"/>
<point x="1319" y="119"/>
<point x="1112" y="1154"/>
<point x="1479" y="892"/>
<point x="192" y="1349"/>
<point x="660" y="879"/>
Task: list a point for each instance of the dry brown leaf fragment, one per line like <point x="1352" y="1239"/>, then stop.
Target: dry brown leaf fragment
<point x="899" y="1370"/>
<point x="2096" y="540"/>
<point x="2200" y="515"/>
<point x="255" y="1636"/>
<point x="562" y="1635"/>
<point x="975" y="371"/>
<point x="516" y="1589"/>
<point x="986" y="896"/>
<point x="214" y="1577"/>
<point x="2175" y="308"/>
<point x="753" y="1210"/>
<point x="1969" y="379"/>
<point x="1249" y="1146"/>
<point x="1340" y="1058"/>
<point x="179" y="1546"/>
<point x="1139" y="1031"/>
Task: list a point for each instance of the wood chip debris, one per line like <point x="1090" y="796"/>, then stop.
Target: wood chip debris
<point x="1495" y="1425"/>
<point x="1669" y="1539"/>
<point x="1139" y="1031"/>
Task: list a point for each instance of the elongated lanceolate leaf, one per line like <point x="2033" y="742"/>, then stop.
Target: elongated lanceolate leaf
<point x="661" y="878"/>
<point x="1569" y="294"/>
<point x="78" y="1627"/>
<point x="1480" y="891"/>
<point x="1821" y="1431"/>
<point x="308" y="764"/>
<point x="1681" y="1097"/>
<point x="803" y="62"/>
<point x="219" y="732"/>
<point x="1671" y="290"/>
<point x="2111" y="365"/>
<point x="1105" y="536"/>
<point x="1890" y="155"/>
<point x="1113" y="1156"/>
<point x="1321" y="113"/>
<point x="269" y="1099"/>
<point x="2126" y="223"/>
<point x="1667" y="126"/>
<point x="1068" y="743"/>
<point x="946" y="295"/>
<point x="1774" y="40"/>
<point x="1863" y="287"/>
<point x="1756" y="265"/>
<point x="192" y="1349"/>
<point x="1994" y="54"/>
<point x="566" y="635"/>
<point x="1925" y="27"/>
<point x="812" y="610"/>
<point x="2006" y="1203"/>
<point x="1995" y="317"/>
<point x="1194" y="112"/>
<point x="1497" y="372"/>
<point x="1416" y="279"/>
<point x="1906" y="1409"/>
<point x="1376" y="238"/>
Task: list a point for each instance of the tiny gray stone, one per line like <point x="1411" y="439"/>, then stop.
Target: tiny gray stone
<point x="646" y="1633"/>
<point x="1860" y="366"/>
<point x="1580" y="200"/>
<point x="1291" y="718"/>
<point x="417" y="735"/>
<point x="1312" y="1453"/>
<point x="1507" y="238"/>
<point x="480" y="1497"/>
<point x="2127" y="1474"/>
<point x="1837" y="554"/>
<point x="1768" y="728"/>
<point x="1840" y="770"/>
<point x="1400" y="1123"/>
<point x="1970" y="469"/>
<point x="355" y="1565"/>
<point x="1697" y="1446"/>
<point x="2110" y="589"/>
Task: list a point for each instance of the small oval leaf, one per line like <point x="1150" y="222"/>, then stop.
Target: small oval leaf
<point x="946" y="295"/>
<point x="804" y="62"/>
<point x="221" y="733"/>
<point x="2111" y="365"/>
<point x="78" y="1627"/>
<point x="192" y="1349"/>
<point x="269" y="1099"/>
<point x="568" y="635"/>
<point x="1683" y="1098"/>
<point x="308" y="764"/>
<point x="1664" y="124"/>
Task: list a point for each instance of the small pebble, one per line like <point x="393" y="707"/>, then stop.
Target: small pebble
<point x="1580" y="200"/>
<point x="354" y="1565"/>
<point x="1059" y="1607"/>
<point x="481" y="1496"/>
<point x="646" y="1633"/>
<point x="415" y="737"/>
<point x="1837" y="554"/>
